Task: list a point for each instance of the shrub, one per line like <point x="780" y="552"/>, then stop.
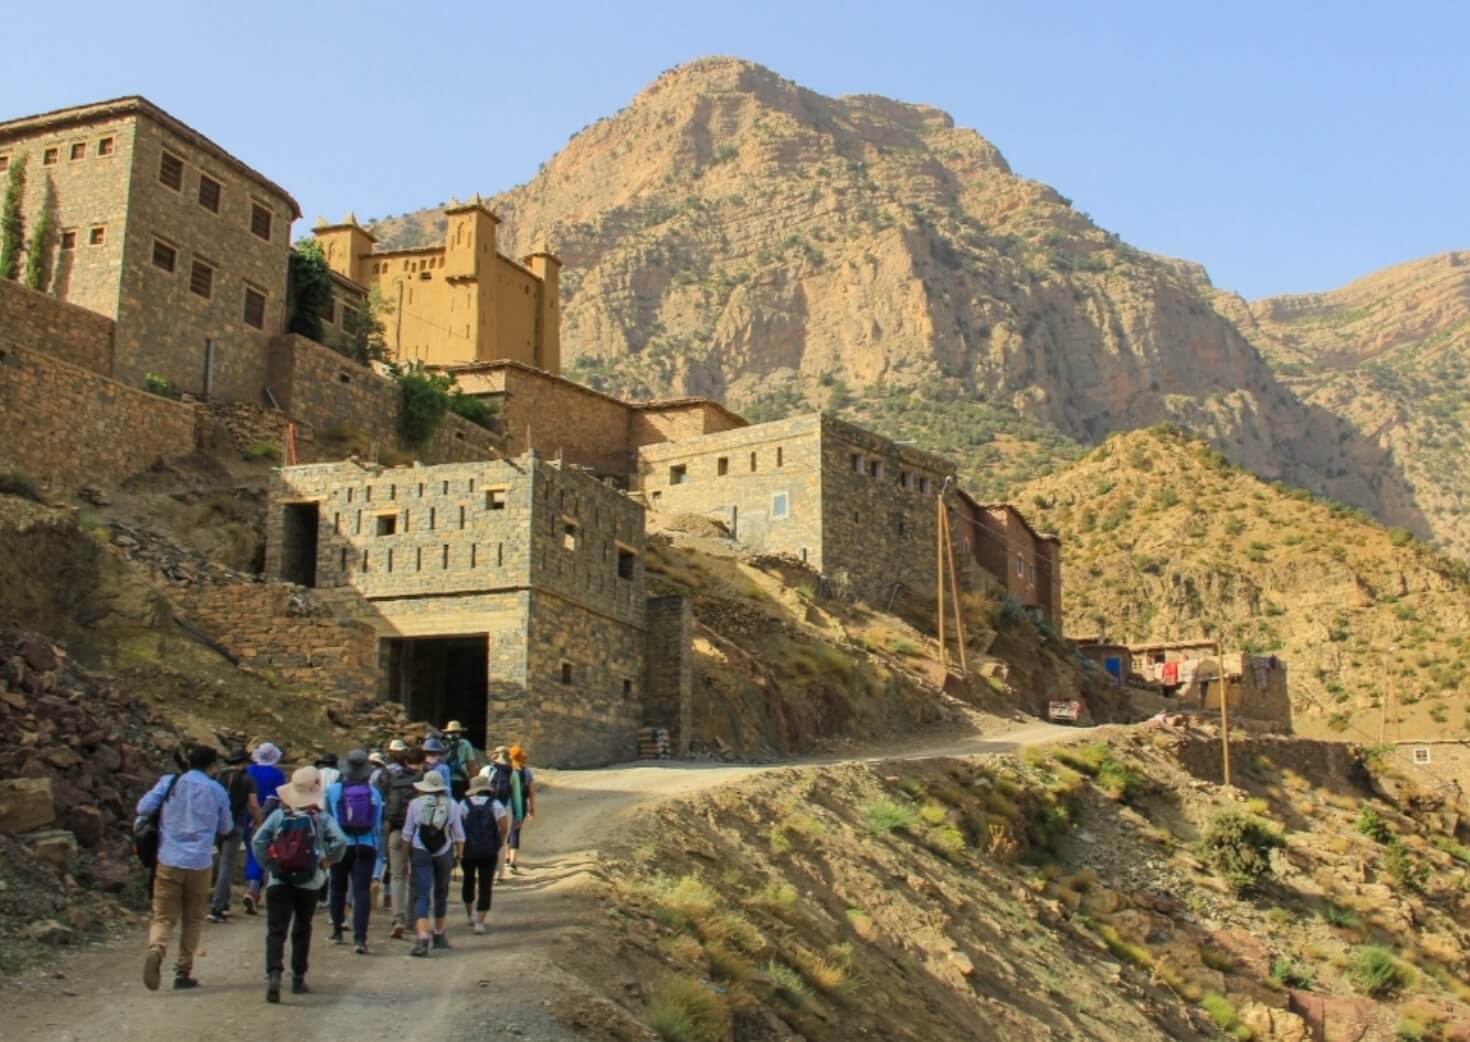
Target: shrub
<point x="1405" y="867"/>
<point x="1221" y="1011"/>
<point x="476" y="410"/>
<point x="1239" y="847"/>
<point x="425" y="401"/>
<point x="1287" y="972"/>
<point x="19" y="484"/>
<point x="885" y="815"/>
<point x="1374" y="971"/>
<point x="266" y="449"/>
<point x="684" y="1010"/>
<point x="1400" y="536"/>
<point x="1340" y="917"/>
<point x="1010" y="614"/>
<point x="788" y="984"/>
<point x="1369" y="824"/>
<point x="160" y="385"/>
<point x="1411" y="1029"/>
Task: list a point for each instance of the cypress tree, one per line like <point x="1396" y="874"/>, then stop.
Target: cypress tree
<point x="38" y="250"/>
<point x="12" y="219"/>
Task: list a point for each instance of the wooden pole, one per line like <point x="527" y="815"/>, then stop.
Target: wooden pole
<point x="939" y="572"/>
<point x="1224" y="710"/>
<point x="954" y="588"/>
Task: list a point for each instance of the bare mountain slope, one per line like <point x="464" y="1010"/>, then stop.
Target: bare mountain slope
<point x="731" y="233"/>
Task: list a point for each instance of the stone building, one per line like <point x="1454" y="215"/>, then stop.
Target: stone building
<point x="506" y="594"/>
<point x="853" y="505"/>
<point x="460" y="301"/>
<point x="1187" y="670"/>
<point x="163" y="231"/>
<point x="1003" y="544"/>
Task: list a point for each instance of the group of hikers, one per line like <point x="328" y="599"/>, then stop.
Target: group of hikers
<point x="376" y="829"/>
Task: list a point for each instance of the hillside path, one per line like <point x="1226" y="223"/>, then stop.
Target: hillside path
<point x="492" y="987"/>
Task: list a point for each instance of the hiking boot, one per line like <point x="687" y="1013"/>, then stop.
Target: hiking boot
<point x="152" y="966"/>
<point x="441" y="940"/>
<point x="273" y="986"/>
<point x="216" y="917"/>
<point x="183" y="982"/>
<point x="298" y="986"/>
<point x="360" y="948"/>
<point x="248" y="901"/>
<point x="420" y="950"/>
<point x="337" y="935"/>
<point x="397" y="931"/>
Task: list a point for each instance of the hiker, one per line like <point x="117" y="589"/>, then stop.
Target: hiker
<point x="434" y="760"/>
<point x="435" y="837"/>
<point x="400" y="794"/>
<point x="522" y="803"/>
<point x="245" y="813"/>
<point x="326" y="763"/>
<point x="486" y="828"/>
<point x="460" y="756"/>
<point x="294" y="844"/>
<point x="267" y="778"/>
<point x="356" y="806"/>
<point x="189" y="812"/>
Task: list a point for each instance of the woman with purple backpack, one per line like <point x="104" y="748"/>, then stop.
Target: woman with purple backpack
<point x="356" y="806"/>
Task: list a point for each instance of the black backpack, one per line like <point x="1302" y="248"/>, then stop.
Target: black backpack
<point x="481" y="830"/>
<point x="239" y="785"/>
<point x="401" y="793"/>
<point x="500" y="782"/>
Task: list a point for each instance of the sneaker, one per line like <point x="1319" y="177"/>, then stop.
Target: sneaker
<point x="441" y="940"/>
<point x="420" y="950"/>
<point x="183" y="982"/>
<point x="337" y="936"/>
<point x="513" y="870"/>
<point x="298" y="986"/>
<point x="273" y="987"/>
<point x="469" y="914"/>
<point x="360" y="949"/>
<point x="249" y="902"/>
<point x="151" y="970"/>
<point x="397" y="931"/>
<point x="480" y="928"/>
<point x="216" y="917"/>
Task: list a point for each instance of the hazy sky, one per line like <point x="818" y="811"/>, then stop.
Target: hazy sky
<point x="1288" y="146"/>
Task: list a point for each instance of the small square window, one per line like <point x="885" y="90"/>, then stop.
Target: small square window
<point x="254" y="308"/>
<point x="69" y="239"/>
<point x="209" y="193"/>
<point x="924" y="486"/>
<point x="678" y="474"/>
<point x="78" y="151"/>
<point x="495" y="499"/>
<point x="201" y="280"/>
<point x="780" y="506"/>
<point x="875" y="468"/>
<point x="329" y="313"/>
<point x="627" y="563"/>
<point x="387" y="524"/>
<point x="164" y="255"/>
<point x="857" y="462"/>
<point x="566" y="672"/>
<point x="51" y="156"/>
<point x="98" y="235"/>
<point x="1421" y="755"/>
<point x="171" y="171"/>
<point x="260" y="221"/>
<point x="905" y="479"/>
<point x="722" y="466"/>
<point x="104" y="147"/>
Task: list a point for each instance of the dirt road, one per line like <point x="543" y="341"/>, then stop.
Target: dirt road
<point x="496" y="986"/>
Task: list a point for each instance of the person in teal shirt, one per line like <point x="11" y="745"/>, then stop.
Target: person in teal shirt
<point x="355" y="804"/>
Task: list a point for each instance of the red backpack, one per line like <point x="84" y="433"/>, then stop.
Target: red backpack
<point x="293" y="850"/>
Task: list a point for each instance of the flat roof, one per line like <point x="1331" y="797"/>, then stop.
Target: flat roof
<point x="136" y="104"/>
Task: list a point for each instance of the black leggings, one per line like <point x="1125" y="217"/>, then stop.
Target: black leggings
<point x="288" y="908"/>
<point x="479" y="881"/>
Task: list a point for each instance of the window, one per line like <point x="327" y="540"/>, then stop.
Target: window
<point x="857" y="463"/>
<point x="51" y="156"/>
<point x="1421" y="755"/>
<point x="495" y="499"/>
<point x="1031" y="572"/>
<point x="104" y="147"/>
<point x="779" y="454"/>
<point x="209" y="192"/>
<point x="905" y="480"/>
<point x="722" y="466"/>
<point x="98" y="235"/>
<point x="78" y="151"/>
<point x="4" y="164"/>
<point x="260" y="221"/>
<point x="69" y="239"/>
<point x="566" y="672"/>
<point x="329" y="313"/>
<point x="387" y="524"/>
<point x="1020" y="566"/>
<point x="875" y="468"/>
<point x="568" y="535"/>
<point x="924" y="486"/>
<point x="627" y="688"/>
<point x="164" y="255"/>
<point x="780" y="506"/>
<point x="171" y="171"/>
<point x="752" y="463"/>
<point x="201" y="279"/>
<point x="678" y="474"/>
<point x="627" y="563"/>
<point x="254" y="308"/>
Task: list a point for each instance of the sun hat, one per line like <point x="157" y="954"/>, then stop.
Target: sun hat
<point x="377" y="759"/>
<point x="479" y="783"/>
<point x="501" y="755"/>
<point x="303" y="790"/>
<point x="358" y="768"/>
<point x="433" y="745"/>
<point x="237" y="755"/>
<point x="266" y="754"/>
<point x="431" y="782"/>
<point x="517" y="756"/>
<point x="454" y="727"/>
<point x="398" y="745"/>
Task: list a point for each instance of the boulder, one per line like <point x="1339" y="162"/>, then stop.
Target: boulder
<point x="55" y="846"/>
<point x="86" y="824"/>
<point x="108" y="876"/>
<point x="1275" y="1025"/>
<point x="26" y="804"/>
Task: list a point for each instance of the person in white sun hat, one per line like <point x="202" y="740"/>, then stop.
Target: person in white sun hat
<point x="434" y="834"/>
<point x="459" y="754"/>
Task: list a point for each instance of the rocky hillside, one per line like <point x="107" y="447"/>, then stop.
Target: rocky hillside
<point x="1389" y="353"/>
<point x="731" y="233"/>
<point x="1164" y="539"/>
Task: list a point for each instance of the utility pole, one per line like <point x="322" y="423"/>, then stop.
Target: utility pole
<point x="954" y="586"/>
<point x="1224" y="709"/>
<point x="939" y="572"/>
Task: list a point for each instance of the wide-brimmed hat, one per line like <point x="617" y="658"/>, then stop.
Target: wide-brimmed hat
<point x="501" y="755"/>
<point x="398" y="745"/>
<point x="431" y="782"/>
<point x="357" y="767"/>
<point x="303" y="790"/>
<point x="266" y="754"/>
<point x="479" y="783"/>
<point x="433" y="745"/>
<point x="237" y="755"/>
<point x="454" y="727"/>
<point x="377" y="759"/>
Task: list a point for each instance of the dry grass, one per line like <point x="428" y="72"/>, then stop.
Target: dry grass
<point x="820" y="972"/>
<point x="683" y="1009"/>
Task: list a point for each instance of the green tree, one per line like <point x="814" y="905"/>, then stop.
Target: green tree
<point x="12" y="219"/>
<point x="363" y="338"/>
<point x="310" y="289"/>
<point x="38" y="250"/>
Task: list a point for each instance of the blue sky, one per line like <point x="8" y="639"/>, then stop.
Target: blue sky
<point x="1286" y="146"/>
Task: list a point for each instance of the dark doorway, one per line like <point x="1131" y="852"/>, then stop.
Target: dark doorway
<point x="298" y="543"/>
<point x="440" y="679"/>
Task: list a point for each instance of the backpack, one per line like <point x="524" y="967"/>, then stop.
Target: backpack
<point x="481" y="830"/>
<point x="401" y="793"/>
<point x="355" y="811"/>
<point x="458" y="768"/>
<point x="239" y="785"/>
<point x="500" y="782"/>
<point x="433" y="822"/>
<point x="293" y="851"/>
<point x="146" y="838"/>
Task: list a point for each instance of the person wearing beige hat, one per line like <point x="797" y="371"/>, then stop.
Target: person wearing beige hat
<point x="459" y="754"/>
<point x="435" y="838"/>
<point x="294" y="845"/>
<point x="486" y="827"/>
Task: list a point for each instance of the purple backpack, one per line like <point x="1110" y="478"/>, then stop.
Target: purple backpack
<point x="355" y="809"/>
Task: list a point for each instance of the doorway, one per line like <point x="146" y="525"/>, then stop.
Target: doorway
<point x="298" y="543"/>
<point x="440" y="679"/>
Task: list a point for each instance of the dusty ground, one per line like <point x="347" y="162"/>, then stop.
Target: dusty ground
<point x="505" y="984"/>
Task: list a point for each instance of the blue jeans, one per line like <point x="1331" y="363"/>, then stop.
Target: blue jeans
<point x="431" y="878"/>
<point x="354" y="871"/>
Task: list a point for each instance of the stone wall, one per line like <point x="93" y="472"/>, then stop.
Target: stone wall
<point x="668" y="670"/>
<point x="557" y="418"/>
<point x="43" y="323"/>
<point x="68" y="427"/>
<point x="653" y="422"/>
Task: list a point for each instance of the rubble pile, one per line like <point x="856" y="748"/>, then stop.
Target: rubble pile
<point x="173" y="562"/>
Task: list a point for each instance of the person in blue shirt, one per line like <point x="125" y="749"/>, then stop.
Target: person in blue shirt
<point x="193" y="810"/>
<point x="268" y="778"/>
<point x="434" y="761"/>
<point x="355" y="804"/>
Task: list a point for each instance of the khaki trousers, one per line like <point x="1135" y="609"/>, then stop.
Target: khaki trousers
<point x="180" y="898"/>
<point x="398" y="875"/>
